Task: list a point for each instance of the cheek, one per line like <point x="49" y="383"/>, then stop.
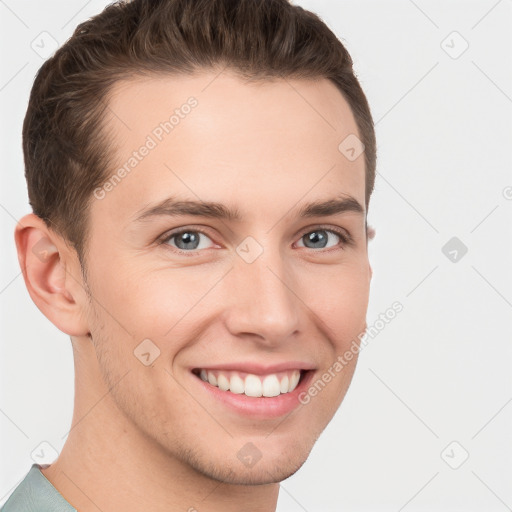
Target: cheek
<point x="157" y="310"/>
<point x="144" y="302"/>
<point x="339" y="297"/>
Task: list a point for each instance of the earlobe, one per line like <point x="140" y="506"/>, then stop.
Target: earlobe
<point x="51" y="275"/>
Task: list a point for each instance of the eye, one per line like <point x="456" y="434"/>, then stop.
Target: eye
<point x="186" y="240"/>
<point x="189" y="242"/>
<point x="318" y="238"/>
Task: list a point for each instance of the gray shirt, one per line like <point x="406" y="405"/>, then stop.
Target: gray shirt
<point x="35" y="493"/>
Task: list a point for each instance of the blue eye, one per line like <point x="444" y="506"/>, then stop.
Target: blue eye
<point x="318" y="238"/>
<point x="188" y="242"/>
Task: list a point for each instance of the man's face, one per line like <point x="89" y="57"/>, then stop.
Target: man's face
<point x="249" y="301"/>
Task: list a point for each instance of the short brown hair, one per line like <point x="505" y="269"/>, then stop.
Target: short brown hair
<point x="67" y="154"/>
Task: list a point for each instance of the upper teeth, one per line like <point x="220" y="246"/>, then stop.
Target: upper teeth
<point x="252" y="385"/>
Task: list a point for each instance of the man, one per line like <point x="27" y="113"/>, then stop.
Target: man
<point x="200" y="174"/>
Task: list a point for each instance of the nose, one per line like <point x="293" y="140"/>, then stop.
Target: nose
<point x="263" y="302"/>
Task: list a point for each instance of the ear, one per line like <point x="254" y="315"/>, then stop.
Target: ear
<point x="52" y="275"/>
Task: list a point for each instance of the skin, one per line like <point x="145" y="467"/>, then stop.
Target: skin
<point x="148" y="436"/>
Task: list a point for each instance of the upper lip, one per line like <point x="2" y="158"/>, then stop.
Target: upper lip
<point x="258" y="368"/>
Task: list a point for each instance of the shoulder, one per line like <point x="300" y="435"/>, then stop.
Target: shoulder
<point x="35" y="493"/>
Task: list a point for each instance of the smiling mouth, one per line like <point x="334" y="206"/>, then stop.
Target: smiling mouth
<point x="242" y="383"/>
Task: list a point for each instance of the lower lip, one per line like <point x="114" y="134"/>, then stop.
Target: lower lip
<point x="261" y="407"/>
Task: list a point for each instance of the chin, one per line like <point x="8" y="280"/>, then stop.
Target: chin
<point x="270" y="468"/>
<point x="261" y="474"/>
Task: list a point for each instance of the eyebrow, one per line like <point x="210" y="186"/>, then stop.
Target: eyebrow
<point x="174" y="207"/>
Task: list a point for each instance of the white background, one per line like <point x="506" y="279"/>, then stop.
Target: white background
<point x="441" y="370"/>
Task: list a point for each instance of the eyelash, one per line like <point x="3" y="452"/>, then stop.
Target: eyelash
<point x="346" y="239"/>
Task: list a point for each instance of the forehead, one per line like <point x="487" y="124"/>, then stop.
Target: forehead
<point x="212" y="136"/>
